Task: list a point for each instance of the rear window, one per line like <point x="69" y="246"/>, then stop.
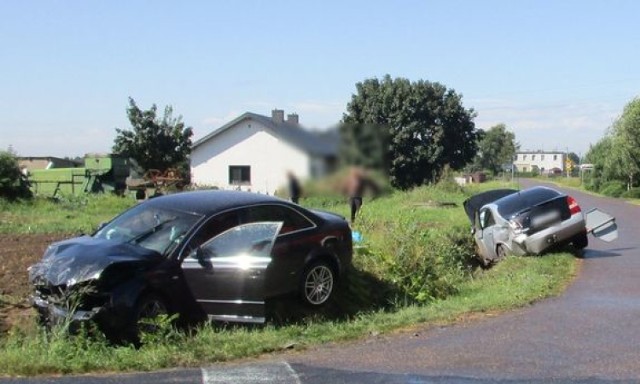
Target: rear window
<point x="521" y="201"/>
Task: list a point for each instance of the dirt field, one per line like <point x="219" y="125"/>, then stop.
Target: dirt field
<point x="17" y="253"/>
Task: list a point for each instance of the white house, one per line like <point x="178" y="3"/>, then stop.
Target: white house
<point x="255" y="152"/>
<point x="543" y="162"/>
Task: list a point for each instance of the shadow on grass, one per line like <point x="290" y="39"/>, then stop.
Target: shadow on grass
<point x="358" y="292"/>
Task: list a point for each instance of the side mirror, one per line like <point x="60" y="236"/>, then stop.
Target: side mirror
<point x="473" y="230"/>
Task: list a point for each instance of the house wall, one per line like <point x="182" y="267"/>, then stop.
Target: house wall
<point x="544" y="161"/>
<point x="248" y="143"/>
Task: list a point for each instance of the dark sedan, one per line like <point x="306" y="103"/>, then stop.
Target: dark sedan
<point x="204" y="254"/>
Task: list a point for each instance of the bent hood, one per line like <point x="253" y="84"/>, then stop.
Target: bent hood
<point x="83" y="258"/>
<point x="475" y="202"/>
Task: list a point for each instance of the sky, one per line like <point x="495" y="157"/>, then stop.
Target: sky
<point x="557" y="73"/>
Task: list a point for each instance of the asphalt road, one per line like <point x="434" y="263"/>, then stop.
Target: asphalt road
<point x="588" y="335"/>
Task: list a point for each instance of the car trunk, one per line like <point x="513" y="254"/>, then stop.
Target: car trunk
<point x="543" y="215"/>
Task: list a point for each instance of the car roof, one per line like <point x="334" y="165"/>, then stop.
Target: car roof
<point x="209" y="202"/>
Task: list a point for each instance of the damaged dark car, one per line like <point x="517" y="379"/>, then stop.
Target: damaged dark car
<point x="532" y="221"/>
<point x="215" y="255"/>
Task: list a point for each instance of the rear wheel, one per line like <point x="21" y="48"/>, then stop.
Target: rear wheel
<point x="318" y="282"/>
<point x="581" y="241"/>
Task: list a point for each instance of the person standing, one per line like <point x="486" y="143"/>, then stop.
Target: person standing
<point x="354" y="187"/>
<point x="294" y="187"/>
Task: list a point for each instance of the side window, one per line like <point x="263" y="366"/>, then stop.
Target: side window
<point x="486" y="218"/>
<point x="254" y="239"/>
<point x="291" y="219"/>
<point x="212" y="228"/>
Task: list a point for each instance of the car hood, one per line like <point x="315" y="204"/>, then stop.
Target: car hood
<point x="475" y="202"/>
<point x="84" y="258"/>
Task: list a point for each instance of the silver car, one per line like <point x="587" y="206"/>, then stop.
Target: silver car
<point x="507" y="221"/>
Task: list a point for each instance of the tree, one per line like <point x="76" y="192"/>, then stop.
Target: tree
<point x="13" y="183"/>
<point x="624" y="159"/>
<point x="153" y="142"/>
<point x="496" y="147"/>
<point x="410" y="130"/>
<point x="597" y="155"/>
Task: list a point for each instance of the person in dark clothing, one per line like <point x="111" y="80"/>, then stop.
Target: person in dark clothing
<point x="294" y="187"/>
<point x="356" y="183"/>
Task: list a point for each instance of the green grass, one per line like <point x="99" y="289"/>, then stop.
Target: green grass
<point x="413" y="268"/>
<point x="513" y="283"/>
<point x="69" y="214"/>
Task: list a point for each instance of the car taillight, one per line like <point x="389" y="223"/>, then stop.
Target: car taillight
<point x="573" y="205"/>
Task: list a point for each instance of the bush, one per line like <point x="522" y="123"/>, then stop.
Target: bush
<point x="613" y="188"/>
<point x="633" y="193"/>
<point x="13" y="183"/>
<point x="424" y="263"/>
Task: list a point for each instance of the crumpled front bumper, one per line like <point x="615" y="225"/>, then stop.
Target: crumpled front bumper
<point x="56" y="314"/>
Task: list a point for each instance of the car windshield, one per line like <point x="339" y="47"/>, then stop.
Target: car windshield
<point x="515" y="204"/>
<point x="154" y="228"/>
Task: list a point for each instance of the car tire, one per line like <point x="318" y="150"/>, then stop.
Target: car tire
<point x="318" y="283"/>
<point x="581" y="241"/>
<point x="148" y="307"/>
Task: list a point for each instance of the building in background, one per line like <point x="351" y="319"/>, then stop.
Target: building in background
<point x="547" y="163"/>
<point x="255" y="152"/>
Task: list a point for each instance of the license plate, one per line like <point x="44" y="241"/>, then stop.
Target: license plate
<point x="545" y="219"/>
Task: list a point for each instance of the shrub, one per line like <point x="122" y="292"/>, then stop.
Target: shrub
<point x="633" y="193"/>
<point x="613" y="188"/>
<point x="13" y="183"/>
<point x="423" y="263"/>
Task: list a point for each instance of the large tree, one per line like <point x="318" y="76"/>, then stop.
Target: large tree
<point x="496" y="147"/>
<point x="411" y="130"/>
<point x="155" y="142"/>
<point x="624" y="159"/>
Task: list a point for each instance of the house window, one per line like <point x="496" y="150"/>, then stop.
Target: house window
<point x="239" y="174"/>
<point x="524" y="157"/>
<point x="555" y="157"/>
<point x="533" y="157"/>
<point x="542" y="157"/>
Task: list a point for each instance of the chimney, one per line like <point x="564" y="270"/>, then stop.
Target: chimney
<point x="277" y="115"/>
<point x="293" y="119"/>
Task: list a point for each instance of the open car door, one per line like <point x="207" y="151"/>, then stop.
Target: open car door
<point x="226" y="274"/>
<point x="602" y="225"/>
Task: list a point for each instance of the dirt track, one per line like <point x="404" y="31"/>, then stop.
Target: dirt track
<point x="17" y="253"/>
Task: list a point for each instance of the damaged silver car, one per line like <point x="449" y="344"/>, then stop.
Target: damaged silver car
<point x="531" y="221"/>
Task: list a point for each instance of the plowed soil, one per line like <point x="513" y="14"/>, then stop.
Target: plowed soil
<point x="17" y="253"/>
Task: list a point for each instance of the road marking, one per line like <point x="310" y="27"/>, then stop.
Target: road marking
<point x="280" y="372"/>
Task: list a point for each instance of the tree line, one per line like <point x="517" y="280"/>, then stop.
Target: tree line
<point x="409" y="130"/>
<point x="616" y="157"/>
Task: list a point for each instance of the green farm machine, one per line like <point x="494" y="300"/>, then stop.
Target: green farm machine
<point x="104" y="173"/>
<point x="101" y="173"/>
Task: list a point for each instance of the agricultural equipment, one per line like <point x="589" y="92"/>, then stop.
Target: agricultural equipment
<point x="101" y="173"/>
